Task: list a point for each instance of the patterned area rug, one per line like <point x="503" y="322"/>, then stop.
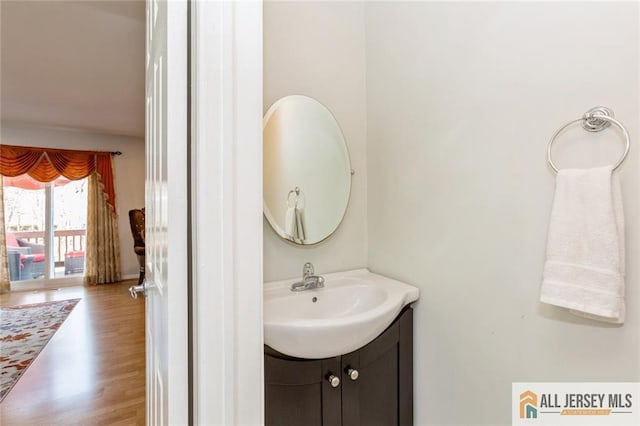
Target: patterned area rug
<point x="24" y="331"/>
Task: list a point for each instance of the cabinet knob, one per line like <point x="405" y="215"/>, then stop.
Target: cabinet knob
<point x="352" y="373"/>
<point x="333" y="380"/>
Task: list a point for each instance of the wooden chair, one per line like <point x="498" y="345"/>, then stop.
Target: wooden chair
<point x="136" y="221"/>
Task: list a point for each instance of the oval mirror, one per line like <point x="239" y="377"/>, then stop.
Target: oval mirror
<point x="307" y="172"/>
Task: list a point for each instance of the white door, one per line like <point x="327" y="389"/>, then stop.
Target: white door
<point x="166" y="213"/>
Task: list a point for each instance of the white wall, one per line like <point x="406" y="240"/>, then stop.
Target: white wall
<point x="461" y="101"/>
<point x="128" y="169"/>
<point x="318" y="49"/>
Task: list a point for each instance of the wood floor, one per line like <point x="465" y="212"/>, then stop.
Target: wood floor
<point x="92" y="372"/>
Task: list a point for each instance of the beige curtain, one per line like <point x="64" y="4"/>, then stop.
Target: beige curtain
<point x="103" y="246"/>
<point x="4" y="263"/>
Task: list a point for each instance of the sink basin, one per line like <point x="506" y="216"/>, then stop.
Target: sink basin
<point x="351" y="310"/>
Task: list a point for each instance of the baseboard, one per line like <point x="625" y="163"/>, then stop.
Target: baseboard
<point x="41" y="284"/>
<point x="130" y="277"/>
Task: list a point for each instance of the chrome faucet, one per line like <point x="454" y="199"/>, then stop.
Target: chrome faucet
<point x="309" y="281"/>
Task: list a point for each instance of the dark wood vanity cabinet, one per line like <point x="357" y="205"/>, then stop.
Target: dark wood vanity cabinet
<point x="298" y="392"/>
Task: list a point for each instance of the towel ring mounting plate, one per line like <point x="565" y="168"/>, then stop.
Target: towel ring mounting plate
<point x="594" y="120"/>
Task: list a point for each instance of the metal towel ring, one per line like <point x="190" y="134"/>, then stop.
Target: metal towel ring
<point x="594" y="120"/>
<point x="296" y="192"/>
<point x="298" y="195"/>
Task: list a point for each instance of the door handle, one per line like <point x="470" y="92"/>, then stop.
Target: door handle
<point x="140" y="288"/>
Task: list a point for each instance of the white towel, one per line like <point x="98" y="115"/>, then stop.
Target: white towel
<point x="584" y="268"/>
<point x="290" y="224"/>
<point x="300" y="224"/>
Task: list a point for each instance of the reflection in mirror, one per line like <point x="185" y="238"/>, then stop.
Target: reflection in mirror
<point x="307" y="172"/>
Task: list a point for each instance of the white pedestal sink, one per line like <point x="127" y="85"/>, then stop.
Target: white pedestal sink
<point x="352" y="309"/>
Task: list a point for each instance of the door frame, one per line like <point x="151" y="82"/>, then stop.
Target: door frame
<point x="226" y="219"/>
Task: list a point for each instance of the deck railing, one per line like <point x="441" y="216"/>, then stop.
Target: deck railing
<point x="64" y="241"/>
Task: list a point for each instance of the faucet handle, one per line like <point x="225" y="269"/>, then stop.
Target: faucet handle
<point x="307" y="270"/>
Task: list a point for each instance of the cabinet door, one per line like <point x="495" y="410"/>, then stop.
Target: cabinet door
<point x="382" y="394"/>
<point x="298" y="393"/>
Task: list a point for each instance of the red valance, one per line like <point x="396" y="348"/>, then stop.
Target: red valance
<point x="45" y="165"/>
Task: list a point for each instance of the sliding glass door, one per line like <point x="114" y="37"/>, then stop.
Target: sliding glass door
<point x="45" y="227"/>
